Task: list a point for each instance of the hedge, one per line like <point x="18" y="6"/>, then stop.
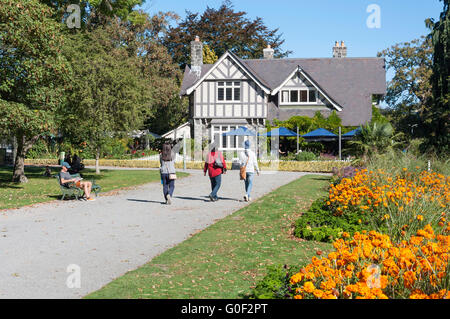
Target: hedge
<point x="293" y="166"/>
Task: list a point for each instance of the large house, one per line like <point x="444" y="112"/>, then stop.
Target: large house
<point x="248" y="92"/>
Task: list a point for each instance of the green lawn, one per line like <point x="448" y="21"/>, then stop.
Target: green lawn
<point x="43" y="189"/>
<point x="227" y="258"/>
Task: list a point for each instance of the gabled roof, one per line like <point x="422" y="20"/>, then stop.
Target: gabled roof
<point x="190" y="86"/>
<point x="348" y="82"/>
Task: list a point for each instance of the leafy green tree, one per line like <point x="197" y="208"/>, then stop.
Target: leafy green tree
<point x="436" y="116"/>
<point x="410" y="88"/>
<point x="377" y="116"/>
<point x="108" y="96"/>
<point x="93" y="12"/>
<point x="223" y="29"/>
<point x="33" y="74"/>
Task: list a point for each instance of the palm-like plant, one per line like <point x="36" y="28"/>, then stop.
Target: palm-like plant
<point x="374" y="138"/>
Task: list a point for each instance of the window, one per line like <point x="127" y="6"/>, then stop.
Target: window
<point x="298" y="96"/>
<point x="294" y="96"/>
<point x="220" y="92"/>
<point x="285" y="96"/>
<point x="226" y="143"/>
<point x="312" y="96"/>
<point x="228" y="91"/>
<point x="303" y="96"/>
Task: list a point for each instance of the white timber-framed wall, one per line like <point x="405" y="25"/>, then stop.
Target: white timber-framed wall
<point x="212" y="114"/>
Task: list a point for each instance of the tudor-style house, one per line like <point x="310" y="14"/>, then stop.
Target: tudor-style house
<point x="237" y="92"/>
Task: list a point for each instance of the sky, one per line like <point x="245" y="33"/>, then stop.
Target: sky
<point x="310" y="28"/>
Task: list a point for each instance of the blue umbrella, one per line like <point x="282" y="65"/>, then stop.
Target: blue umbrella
<point x="320" y="132"/>
<point x="352" y="133"/>
<point x="240" y="131"/>
<point x="280" y="131"/>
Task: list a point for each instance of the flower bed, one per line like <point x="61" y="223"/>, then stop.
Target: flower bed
<point x="371" y="266"/>
<point x="390" y="234"/>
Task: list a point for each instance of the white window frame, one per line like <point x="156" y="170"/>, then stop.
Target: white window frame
<point x="234" y="85"/>
<point x="224" y="129"/>
<point x="309" y="89"/>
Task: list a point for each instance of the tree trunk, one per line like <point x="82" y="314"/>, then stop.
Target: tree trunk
<point x="97" y="161"/>
<point x="23" y="146"/>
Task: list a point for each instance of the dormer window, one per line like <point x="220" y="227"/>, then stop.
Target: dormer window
<point x="229" y="91"/>
<point x="298" y="96"/>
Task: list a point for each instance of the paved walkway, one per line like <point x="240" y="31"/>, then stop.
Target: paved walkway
<point x="110" y="236"/>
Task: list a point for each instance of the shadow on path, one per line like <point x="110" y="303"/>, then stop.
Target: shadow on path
<point x="145" y="201"/>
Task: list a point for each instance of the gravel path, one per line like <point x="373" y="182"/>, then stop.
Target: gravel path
<point x="112" y="235"/>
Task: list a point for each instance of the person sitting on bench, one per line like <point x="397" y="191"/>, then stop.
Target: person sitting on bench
<point x="65" y="178"/>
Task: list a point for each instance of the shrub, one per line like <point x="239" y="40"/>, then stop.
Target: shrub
<point x="275" y="284"/>
<point x="320" y="223"/>
<point x="305" y="156"/>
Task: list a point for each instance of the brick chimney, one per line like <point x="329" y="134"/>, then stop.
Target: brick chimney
<point x="196" y="55"/>
<point x="268" y="53"/>
<point x="339" y="50"/>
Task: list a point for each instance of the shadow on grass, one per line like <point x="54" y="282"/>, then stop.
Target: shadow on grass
<point x="321" y="178"/>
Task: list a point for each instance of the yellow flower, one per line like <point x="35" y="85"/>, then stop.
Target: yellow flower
<point x="419" y="217"/>
<point x="309" y="287"/>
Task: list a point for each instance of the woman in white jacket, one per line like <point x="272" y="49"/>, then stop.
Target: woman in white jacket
<point x="248" y="159"/>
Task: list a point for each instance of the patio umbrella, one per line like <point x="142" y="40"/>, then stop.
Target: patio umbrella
<point x="351" y="134"/>
<point x="240" y="131"/>
<point x="320" y="134"/>
<point x="280" y="131"/>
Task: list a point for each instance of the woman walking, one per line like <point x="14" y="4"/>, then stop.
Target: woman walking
<point x="248" y="162"/>
<point x="168" y="173"/>
<point x="216" y="166"/>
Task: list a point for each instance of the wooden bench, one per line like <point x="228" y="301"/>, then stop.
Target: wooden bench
<point x="72" y="190"/>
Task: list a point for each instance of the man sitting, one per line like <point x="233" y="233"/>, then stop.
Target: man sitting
<point x="65" y="178"/>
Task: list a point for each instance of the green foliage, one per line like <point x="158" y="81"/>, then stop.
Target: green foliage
<point x="374" y="138"/>
<point x="108" y="95"/>
<point x="320" y="223"/>
<point x="437" y="113"/>
<point x="222" y="29"/>
<point x="410" y="87"/>
<point x="209" y="56"/>
<point x="377" y="117"/>
<point x="275" y="284"/>
<point x="305" y="156"/>
<point x="32" y="74"/>
<point x="307" y="124"/>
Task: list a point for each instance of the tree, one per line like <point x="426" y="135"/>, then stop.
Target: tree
<point x="94" y="12"/>
<point x="374" y="138"/>
<point x="209" y="56"/>
<point x="410" y="88"/>
<point x="436" y="115"/>
<point x="108" y="94"/>
<point x="33" y="74"/>
<point x="223" y="29"/>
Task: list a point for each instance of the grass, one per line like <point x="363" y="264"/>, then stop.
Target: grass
<point x="226" y="259"/>
<point x="42" y="189"/>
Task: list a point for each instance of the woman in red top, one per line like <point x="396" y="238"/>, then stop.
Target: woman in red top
<point x="216" y="166"/>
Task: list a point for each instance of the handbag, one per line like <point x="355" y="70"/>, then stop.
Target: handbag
<point x="218" y="161"/>
<point x="243" y="169"/>
<point x="172" y="176"/>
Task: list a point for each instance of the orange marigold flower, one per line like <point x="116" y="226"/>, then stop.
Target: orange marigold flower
<point x="309" y="287"/>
